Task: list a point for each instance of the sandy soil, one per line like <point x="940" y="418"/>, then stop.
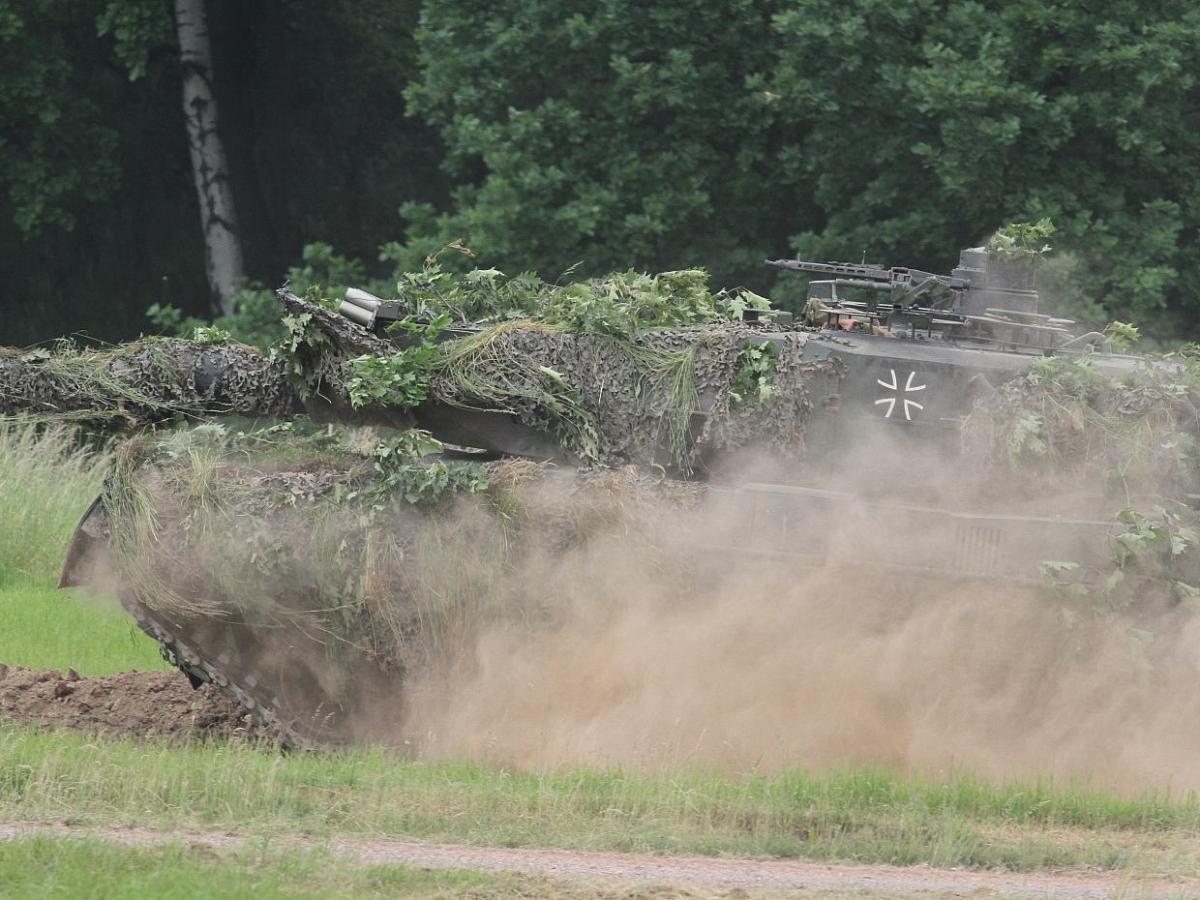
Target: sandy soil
<point x="707" y="874"/>
<point x="132" y="704"/>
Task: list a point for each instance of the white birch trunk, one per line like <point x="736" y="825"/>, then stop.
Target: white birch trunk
<point x="218" y="218"/>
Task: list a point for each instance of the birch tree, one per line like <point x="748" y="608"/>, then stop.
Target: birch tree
<point x="218" y="215"/>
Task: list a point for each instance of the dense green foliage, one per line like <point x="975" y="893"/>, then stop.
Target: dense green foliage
<point x="629" y="134"/>
<point x="621" y="304"/>
<point x="933" y="124"/>
<point x="636" y="136"/>
<point x="98" y="212"/>
<point x="713" y="135"/>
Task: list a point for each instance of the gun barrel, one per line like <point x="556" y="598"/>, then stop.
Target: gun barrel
<point x="869" y="285"/>
<point x="841" y="270"/>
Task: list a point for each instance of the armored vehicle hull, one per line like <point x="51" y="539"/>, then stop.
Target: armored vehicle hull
<point x="860" y="468"/>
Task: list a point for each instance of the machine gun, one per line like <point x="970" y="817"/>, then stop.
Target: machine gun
<point x="906" y="286"/>
<point x="987" y="298"/>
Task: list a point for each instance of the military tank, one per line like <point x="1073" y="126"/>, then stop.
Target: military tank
<point x="903" y="358"/>
<point x="859" y="415"/>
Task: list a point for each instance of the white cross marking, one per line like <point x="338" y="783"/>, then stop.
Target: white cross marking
<point x="894" y="385"/>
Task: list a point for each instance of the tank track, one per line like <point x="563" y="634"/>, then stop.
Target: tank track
<point x="249" y="691"/>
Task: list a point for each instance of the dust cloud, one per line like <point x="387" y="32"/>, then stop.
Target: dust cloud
<point x="679" y="651"/>
<point x="605" y="625"/>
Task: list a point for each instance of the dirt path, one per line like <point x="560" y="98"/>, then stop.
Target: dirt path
<point x="705" y="873"/>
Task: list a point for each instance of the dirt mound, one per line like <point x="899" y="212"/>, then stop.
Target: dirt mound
<point x="135" y="704"/>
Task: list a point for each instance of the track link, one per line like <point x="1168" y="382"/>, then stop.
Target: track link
<point x="248" y="692"/>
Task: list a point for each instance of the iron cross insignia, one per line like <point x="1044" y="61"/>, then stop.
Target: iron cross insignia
<point x="898" y="394"/>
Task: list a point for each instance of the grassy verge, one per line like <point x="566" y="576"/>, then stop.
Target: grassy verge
<point x="50" y="629"/>
<point x="857" y="814"/>
<point x="47" y="480"/>
<point x="66" y="867"/>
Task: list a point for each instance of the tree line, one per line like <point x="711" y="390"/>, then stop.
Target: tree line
<point x="170" y="151"/>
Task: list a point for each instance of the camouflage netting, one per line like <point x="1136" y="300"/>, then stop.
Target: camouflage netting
<point x="664" y="397"/>
<point x="317" y="535"/>
<point x="1093" y="445"/>
<point x="1067" y="424"/>
<point x="143" y="382"/>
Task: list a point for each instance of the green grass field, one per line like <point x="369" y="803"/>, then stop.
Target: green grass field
<point x="854" y="814"/>
<point x="46" y="628"/>
<point x="67" y="867"/>
<point x="47" y="481"/>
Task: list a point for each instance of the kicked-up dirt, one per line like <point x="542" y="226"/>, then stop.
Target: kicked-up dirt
<point x="132" y="704"/>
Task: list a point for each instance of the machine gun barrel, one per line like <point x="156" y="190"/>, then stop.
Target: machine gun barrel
<point x="841" y="270"/>
<point x="876" y="277"/>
